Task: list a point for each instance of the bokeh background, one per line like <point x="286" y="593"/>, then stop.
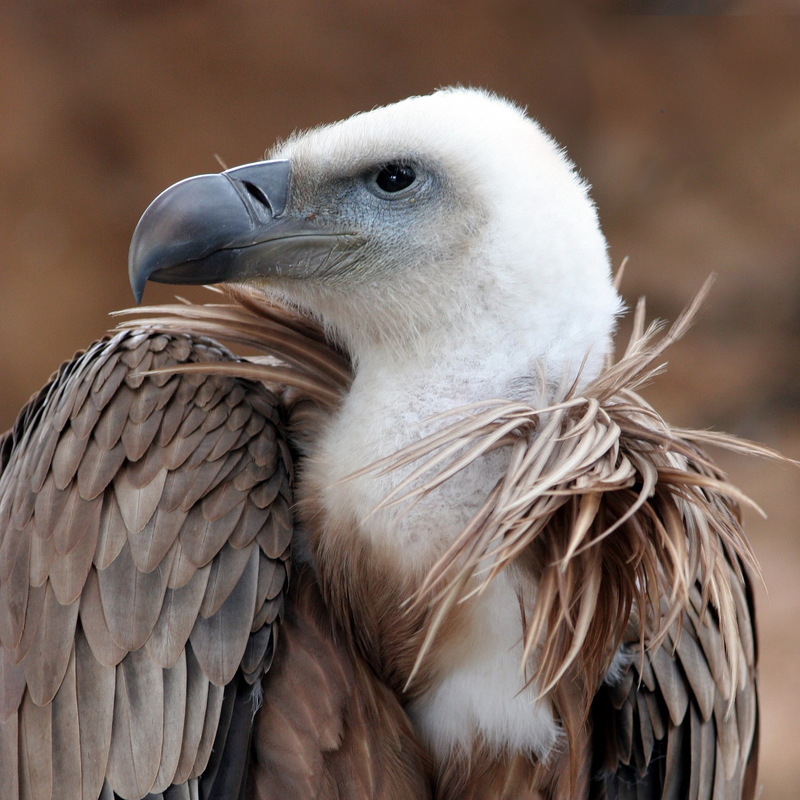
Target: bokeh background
<point x="683" y="114"/>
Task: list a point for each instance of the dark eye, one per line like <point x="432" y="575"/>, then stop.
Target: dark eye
<point x="395" y="177"/>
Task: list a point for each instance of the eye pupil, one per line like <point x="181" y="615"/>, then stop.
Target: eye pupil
<point x="395" y="177"/>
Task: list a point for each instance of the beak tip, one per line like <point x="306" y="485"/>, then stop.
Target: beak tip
<point x="137" y="277"/>
<point x="138" y="291"/>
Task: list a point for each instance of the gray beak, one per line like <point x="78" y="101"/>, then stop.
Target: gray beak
<point x="229" y="227"/>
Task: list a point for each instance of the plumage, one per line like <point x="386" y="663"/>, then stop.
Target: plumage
<point x="100" y="620"/>
<point x="179" y="612"/>
<point x="428" y="541"/>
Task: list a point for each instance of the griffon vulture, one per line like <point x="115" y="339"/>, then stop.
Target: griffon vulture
<point x="428" y="542"/>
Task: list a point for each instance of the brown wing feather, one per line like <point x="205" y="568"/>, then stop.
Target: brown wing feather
<point x="328" y="728"/>
<point x="132" y="512"/>
<point x="674" y="726"/>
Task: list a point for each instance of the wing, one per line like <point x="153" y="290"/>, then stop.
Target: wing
<point x="144" y="535"/>
<point x="675" y="726"/>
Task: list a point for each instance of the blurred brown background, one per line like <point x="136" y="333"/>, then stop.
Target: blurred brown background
<point x="687" y="126"/>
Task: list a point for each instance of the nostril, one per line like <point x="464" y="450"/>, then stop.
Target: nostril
<point x="257" y="194"/>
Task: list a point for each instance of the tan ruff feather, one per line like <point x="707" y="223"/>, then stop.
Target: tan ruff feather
<point x="297" y="353"/>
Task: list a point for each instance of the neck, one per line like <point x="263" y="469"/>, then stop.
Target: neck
<point x="388" y="552"/>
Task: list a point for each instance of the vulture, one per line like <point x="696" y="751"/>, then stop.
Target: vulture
<point x="419" y="536"/>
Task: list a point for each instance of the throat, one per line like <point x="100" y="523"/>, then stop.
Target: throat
<point x="393" y="403"/>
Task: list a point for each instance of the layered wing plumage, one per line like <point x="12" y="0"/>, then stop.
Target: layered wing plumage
<point x="674" y="725"/>
<point x="144" y="535"/>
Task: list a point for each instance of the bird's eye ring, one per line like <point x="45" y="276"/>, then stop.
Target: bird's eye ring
<point x="395" y="177"/>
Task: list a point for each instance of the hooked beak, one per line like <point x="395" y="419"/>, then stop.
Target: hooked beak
<point x="230" y="227"/>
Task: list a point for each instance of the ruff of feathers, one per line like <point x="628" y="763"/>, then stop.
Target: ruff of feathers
<point x="617" y="515"/>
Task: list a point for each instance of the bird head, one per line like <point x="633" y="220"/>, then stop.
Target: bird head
<point x="451" y="215"/>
